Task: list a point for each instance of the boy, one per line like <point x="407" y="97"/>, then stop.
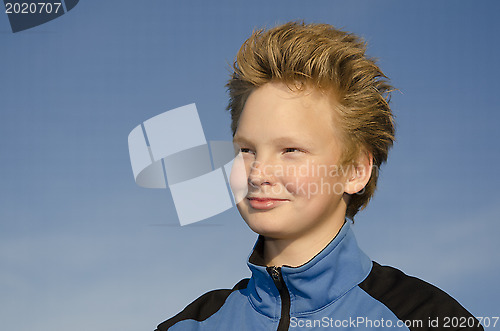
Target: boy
<point x="312" y="124"/>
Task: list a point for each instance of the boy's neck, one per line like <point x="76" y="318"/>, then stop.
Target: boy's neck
<point x="294" y="252"/>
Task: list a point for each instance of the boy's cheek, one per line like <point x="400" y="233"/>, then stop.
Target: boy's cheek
<point x="298" y="186"/>
<point x="238" y="179"/>
<point x="313" y="186"/>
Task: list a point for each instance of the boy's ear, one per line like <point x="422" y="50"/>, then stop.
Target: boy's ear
<point x="359" y="174"/>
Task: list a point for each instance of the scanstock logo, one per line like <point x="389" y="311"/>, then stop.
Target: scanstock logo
<point x="26" y="14"/>
<point x="170" y="150"/>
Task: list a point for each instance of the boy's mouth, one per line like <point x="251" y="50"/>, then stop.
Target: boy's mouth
<point x="264" y="203"/>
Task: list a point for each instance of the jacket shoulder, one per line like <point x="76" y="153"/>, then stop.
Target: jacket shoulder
<point x="412" y="299"/>
<point x="203" y="307"/>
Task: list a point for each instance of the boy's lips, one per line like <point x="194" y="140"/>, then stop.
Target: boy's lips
<point x="265" y="203"/>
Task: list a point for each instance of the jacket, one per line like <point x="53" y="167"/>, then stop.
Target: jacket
<point x="339" y="288"/>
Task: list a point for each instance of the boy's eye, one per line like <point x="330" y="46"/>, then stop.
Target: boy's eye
<point x="291" y="150"/>
<point x="245" y="150"/>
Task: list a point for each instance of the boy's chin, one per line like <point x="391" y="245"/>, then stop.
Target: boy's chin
<point x="270" y="228"/>
<point x="275" y="223"/>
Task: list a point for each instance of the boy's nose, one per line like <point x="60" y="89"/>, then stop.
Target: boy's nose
<point x="261" y="174"/>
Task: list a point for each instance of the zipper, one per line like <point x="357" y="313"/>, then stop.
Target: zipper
<point x="277" y="277"/>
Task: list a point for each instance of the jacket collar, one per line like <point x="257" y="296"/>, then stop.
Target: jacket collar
<point x="339" y="267"/>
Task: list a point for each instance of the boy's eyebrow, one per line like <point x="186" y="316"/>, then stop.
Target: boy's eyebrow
<point x="240" y="139"/>
<point x="291" y="141"/>
<point x="279" y="140"/>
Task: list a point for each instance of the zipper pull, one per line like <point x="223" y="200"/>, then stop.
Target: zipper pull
<point x="275" y="273"/>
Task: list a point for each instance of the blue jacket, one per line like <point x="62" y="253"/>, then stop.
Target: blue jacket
<point x="339" y="288"/>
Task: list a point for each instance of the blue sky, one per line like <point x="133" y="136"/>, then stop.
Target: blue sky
<point x="83" y="247"/>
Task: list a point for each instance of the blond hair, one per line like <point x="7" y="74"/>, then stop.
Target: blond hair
<point x="331" y="60"/>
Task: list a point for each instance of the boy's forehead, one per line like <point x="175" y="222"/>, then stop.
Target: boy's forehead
<point x="278" y="107"/>
<point x="276" y="115"/>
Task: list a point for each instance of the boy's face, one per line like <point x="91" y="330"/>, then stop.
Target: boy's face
<point x="290" y="150"/>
